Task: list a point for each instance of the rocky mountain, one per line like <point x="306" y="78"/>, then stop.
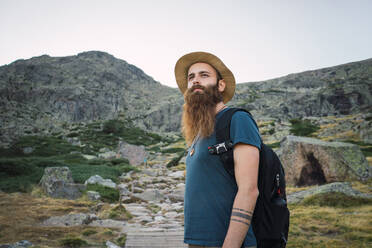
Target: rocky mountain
<point x="43" y="93"/>
<point x="339" y="90"/>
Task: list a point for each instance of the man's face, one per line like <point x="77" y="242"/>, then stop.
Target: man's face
<point x="201" y="74"/>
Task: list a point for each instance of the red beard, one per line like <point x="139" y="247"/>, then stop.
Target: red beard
<point x="199" y="111"/>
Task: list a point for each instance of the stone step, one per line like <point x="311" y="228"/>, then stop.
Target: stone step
<point x="149" y="239"/>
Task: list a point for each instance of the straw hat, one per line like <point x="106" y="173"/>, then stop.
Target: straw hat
<point x="184" y="63"/>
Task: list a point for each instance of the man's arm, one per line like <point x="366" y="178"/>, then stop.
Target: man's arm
<point x="246" y="161"/>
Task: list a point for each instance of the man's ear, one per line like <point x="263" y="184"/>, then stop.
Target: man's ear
<point x="221" y="85"/>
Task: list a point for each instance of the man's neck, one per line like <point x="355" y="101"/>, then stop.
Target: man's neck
<point x="220" y="106"/>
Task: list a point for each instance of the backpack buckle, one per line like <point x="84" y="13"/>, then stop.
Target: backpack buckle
<point x="220" y="148"/>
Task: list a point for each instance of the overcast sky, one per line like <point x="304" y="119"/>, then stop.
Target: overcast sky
<point x="257" y="40"/>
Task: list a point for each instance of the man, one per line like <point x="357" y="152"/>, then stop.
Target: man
<point x="218" y="208"/>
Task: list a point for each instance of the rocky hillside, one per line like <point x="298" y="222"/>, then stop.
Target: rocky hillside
<point x="44" y="94"/>
<point x="339" y="90"/>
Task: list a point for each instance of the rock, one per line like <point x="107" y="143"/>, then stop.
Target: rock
<point x="171" y="214"/>
<point x="107" y="155"/>
<point x="27" y="150"/>
<point x="104" y="149"/>
<point x="111" y="245"/>
<point x="150" y="195"/>
<point x="183" y="160"/>
<point x="176" y="197"/>
<point x="123" y="189"/>
<point x="89" y="157"/>
<point x="57" y="182"/>
<point x="70" y="220"/>
<point x="99" y="180"/>
<point x="93" y="195"/>
<point x="159" y="218"/>
<point x="109" y="224"/>
<point x="138" y="190"/>
<point x="20" y="244"/>
<point x="366" y="131"/>
<point x="177" y="174"/>
<point x="309" y="161"/>
<point x="135" y="154"/>
<point x="151" y="173"/>
<point x="144" y="180"/>
<point x="342" y="187"/>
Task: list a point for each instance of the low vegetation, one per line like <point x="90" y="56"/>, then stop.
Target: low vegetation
<point x="302" y="127"/>
<point x="22" y="164"/>
<point x="107" y="194"/>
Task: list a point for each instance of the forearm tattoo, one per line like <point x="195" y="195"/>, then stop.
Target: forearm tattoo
<point x="244" y="216"/>
<point x="241" y="215"/>
<point x="236" y="220"/>
<point x="244" y="211"/>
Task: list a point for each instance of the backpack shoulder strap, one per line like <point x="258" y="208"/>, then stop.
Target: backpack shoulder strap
<point x="223" y="124"/>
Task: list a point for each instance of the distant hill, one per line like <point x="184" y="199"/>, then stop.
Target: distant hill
<point x="339" y="90"/>
<point x="42" y="93"/>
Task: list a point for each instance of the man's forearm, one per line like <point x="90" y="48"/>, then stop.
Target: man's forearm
<point x="241" y="217"/>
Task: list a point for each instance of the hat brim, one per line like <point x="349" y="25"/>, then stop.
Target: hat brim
<point x="184" y="63"/>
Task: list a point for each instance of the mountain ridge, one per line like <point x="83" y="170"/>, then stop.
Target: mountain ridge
<point x="43" y="93"/>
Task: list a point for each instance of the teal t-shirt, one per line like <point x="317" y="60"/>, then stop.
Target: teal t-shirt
<point x="210" y="190"/>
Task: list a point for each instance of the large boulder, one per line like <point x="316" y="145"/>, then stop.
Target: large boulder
<point x="135" y="154"/>
<point x="70" y="220"/>
<point x="309" y="161"/>
<point x="57" y="182"/>
<point x="341" y="187"/>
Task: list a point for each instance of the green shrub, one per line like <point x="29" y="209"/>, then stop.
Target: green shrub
<point x="125" y="168"/>
<point x="18" y="174"/>
<point x="42" y="146"/>
<point x="302" y="127"/>
<point x="72" y="242"/>
<point x="113" y="126"/>
<point x="122" y="240"/>
<point x="274" y="145"/>
<point x="120" y="213"/>
<point x="82" y="172"/>
<point x="336" y="199"/>
<point x="174" y="161"/>
<point x="173" y="150"/>
<point x="117" y="161"/>
<point x="107" y="194"/>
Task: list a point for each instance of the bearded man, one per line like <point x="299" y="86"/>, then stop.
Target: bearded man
<point x="218" y="207"/>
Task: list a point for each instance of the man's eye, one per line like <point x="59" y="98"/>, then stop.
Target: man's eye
<point x="204" y="75"/>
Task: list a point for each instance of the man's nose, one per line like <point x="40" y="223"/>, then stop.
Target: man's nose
<point x="194" y="81"/>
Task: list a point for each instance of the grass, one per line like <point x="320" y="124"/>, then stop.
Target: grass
<point x="315" y="226"/>
<point x="73" y="242"/>
<point x="20" y="174"/>
<point x="364" y="147"/>
<point x="337" y="200"/>
<point x="41" y="145"/>
<point x="315" y="223"/>
<point x="107" y="194"/>
<point x="302" y="127"/>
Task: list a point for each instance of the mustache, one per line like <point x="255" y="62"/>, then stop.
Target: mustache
<point x="194" y="87"/>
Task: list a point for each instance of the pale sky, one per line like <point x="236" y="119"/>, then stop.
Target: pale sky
<point x="257" y="40"/>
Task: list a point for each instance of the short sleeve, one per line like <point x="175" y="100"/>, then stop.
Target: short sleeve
<point x="244" y="130"/>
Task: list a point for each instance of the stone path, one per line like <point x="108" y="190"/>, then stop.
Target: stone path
<point x="149" y="239"/>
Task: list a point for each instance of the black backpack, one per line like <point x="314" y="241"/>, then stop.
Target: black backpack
<point x="270" y="220"/>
